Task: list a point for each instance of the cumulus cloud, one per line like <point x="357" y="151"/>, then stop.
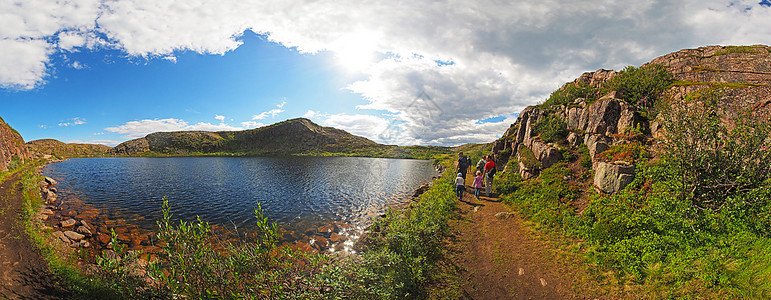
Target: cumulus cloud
<point x="72" y="122"/>
<point x="137" y="129"/>
<point x="110" y="143"/>
<point x="475" y="59"/>
<point x="251" y="124"/>
<point x="219" y="117"/>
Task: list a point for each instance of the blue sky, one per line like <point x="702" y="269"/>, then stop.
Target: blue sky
<point x="422" y="72"/>
<point x="109" y="89"/>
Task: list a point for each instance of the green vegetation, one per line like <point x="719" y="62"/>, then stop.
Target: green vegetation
<point x="693" y="224"/>
<point x="570" y="92"/>
<point x="641" y="87"/>
<point x="551" y="128"/>
<point x="735" y="49"/>
<point x="527" y="157"/>
<point x="630" y="153"/>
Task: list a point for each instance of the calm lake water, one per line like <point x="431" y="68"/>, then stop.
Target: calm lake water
<point x="300" y="193"/>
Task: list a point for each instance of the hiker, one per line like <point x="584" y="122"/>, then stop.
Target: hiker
<point x="481" y="163"/>
<point x="460" y="186"/>
<point x="463" y="164"/>
<point x="490" y="169"/>
<point x="477" y="184"/>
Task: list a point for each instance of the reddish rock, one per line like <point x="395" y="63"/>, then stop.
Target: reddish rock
<point x="103" y="238"/>
<point x="68" y="223"/>
<point x="327" y="228"/>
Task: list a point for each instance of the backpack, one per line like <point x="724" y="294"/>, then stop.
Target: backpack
<point x="491" y="173"/>
<point x="463" y="162"/>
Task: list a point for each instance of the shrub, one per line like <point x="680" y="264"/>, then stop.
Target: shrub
<point x="714" y="160"/>
<point x="630" y="153"/>
<point x="570" y="92"/>
<point x="551" y="128"/>
<point x="641" y="87"/>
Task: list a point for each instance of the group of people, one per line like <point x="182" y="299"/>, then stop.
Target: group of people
<point x="485" y="171"/>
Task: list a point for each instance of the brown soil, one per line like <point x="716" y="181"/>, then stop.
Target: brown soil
<point x="505" y="258"/>
<point x="25" y="274"/>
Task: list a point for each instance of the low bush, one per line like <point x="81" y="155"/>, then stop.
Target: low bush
<point x="570" y="92"/>
<point x="551" y="129"/>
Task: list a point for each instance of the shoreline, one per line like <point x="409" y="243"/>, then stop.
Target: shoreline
<point x="80" y="227"/>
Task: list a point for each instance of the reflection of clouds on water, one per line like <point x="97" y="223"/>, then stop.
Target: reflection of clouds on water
<point x="300" y="193"/>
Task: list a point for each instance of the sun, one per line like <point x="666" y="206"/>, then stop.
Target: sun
<point x="356" y="52"/>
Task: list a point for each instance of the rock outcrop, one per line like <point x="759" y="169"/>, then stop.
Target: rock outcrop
<point x="743" y="74"/>
<point x="12" y="148"/>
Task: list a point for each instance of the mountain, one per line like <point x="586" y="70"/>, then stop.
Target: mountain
<point x="292" y="137"/>
<point x="61" y="149"/>
<point x="12" y="149"/>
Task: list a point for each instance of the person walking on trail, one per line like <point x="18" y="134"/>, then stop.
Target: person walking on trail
<point x="460" y="186"/>
<point x="481" y="166"/>
<point x="463" y="164"/>
<point x="490" y="169"/>
<point x="481" y="163"/>
<point x="477" y="184"/>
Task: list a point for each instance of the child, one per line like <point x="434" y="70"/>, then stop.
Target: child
<point x="477" y="184"/>
<point x="460" y="186"/>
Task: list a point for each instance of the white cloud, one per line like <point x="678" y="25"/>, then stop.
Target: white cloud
<point x="251" y="124"/>
<point x="264" y="115"/>
<point x="497" y="56"/>
<point x="74" y="121"/>
<point x="77" y="65"/>
<point x="136" y="129"/>
<point x="110" y="143"/>
<point x="281" y="105"/>
<point x="358" y="124"/>
<point x="43" y="126"/>
<point x="310" y="114"/>
<point x="219" y="117"/>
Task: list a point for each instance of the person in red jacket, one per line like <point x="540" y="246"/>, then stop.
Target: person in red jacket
<point x="490" y="169"/>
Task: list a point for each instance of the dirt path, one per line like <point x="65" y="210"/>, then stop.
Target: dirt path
<point x="503" y="258"/>
<point x="25" y="274"/>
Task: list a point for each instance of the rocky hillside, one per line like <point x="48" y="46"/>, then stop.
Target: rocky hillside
<point x="61" y="149"/>
<point x="291" y="137"/>
<point x="12" y="149"/>
<point x="604" y="113"/>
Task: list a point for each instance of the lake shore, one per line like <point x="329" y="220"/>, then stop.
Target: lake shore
<point x="85" y="229"/>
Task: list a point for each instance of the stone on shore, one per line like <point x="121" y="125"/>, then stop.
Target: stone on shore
<point x="68" y="223"/>
<point x="83" y="230"/>
<point x="74" y="235"/>
<point x="61" y="236"/>
<point x="46" y="211"/>
<point x="50" y="181"/>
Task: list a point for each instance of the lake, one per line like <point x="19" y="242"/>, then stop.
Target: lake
<point x="299" y="193"/>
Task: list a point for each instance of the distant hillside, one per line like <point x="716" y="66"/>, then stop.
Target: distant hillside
<point x="292" y="137"/>
<point x="61" y="149"/>
<point x="12" y="150"/>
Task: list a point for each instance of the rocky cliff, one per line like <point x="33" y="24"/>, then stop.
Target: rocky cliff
<point x="742" y="74"/>
<point x="12" y="148"/>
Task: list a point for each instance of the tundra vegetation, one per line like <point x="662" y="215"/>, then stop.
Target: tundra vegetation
<point x="695" y="220"/>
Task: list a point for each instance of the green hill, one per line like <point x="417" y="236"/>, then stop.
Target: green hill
<point x="292" y="137"/>
<point x="61" y="149"/>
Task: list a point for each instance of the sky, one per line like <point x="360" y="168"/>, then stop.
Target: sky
<point x="397" y="72"/>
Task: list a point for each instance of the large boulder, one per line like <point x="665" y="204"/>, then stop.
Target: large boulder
<point x="611" y="178"/>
